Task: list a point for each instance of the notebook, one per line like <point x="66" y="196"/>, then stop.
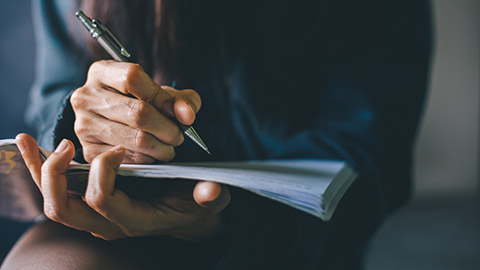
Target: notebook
<point x="309" y="185"/>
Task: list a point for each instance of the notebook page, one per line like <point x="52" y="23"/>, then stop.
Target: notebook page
<point x="279" y="176"/>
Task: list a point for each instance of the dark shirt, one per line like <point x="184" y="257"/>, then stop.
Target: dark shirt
<point x="306" y="79"/>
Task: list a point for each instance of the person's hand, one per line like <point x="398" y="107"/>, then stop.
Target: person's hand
<point x="121" y="105"/>
<point x="109" y="213"/>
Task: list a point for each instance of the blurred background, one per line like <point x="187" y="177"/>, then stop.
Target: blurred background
<point x="17" y="60"/>
<point x="439" y="228"/>
<point x="448" y="143"/>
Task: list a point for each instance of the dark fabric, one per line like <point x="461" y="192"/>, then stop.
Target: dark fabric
<point x="339" y="79"/>
<point x="60" y="68"/>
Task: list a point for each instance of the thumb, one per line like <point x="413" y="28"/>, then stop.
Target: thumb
<point x="211" y="195"/>
<point x="29" y="149"/>
<point x="186" y="104"/>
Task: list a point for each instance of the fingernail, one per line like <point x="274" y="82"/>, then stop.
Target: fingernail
<point x="20" y="146"/>
<point x="64" y="145"/>
<point x="192" y="108"/>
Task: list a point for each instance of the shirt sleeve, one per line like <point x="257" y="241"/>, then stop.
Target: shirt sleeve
<point x="60" y="68"/>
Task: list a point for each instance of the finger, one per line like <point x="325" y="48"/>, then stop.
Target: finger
<point x="30" y="152"/>
<point x="99" y="130"/>
<point x="128" y="111"/>
<point x="186" y="104"/>
<point x="101" y="194"/>
<point x="54" y="182"/>
<point x="211" y="195"/>
<point x="134" y="217"/>
<point x="101" y="179"/>
<point x="92" y="150"/>
<point x="130" y="79"/>
<point x="59" y="207"/>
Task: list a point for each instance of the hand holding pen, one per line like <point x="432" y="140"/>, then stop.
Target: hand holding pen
<point x="148" y="120"/>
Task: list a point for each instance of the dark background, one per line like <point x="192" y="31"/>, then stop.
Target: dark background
<point x="17" y="66"/>
<point x="438" y="229"/>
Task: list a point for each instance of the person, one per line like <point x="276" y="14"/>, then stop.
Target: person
<point x="272" y="80"/>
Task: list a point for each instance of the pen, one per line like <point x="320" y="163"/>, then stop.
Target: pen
<point x="108" y="41"/>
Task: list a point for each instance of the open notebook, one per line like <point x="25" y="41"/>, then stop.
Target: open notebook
<point x="313" y="186"/>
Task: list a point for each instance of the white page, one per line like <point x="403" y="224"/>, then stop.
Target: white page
<point x="283" y="176"/>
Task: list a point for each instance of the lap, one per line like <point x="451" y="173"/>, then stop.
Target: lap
<point x="49" y="245"/>
<point x="262" y="235"/>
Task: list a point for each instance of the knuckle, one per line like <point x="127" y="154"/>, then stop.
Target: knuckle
<point x="139" y="158"/>
<point x="88" y="157"/>
<point x="96" y="68"/>
<point x="53" y="212"/>
<point x="132" y="74"/>
<point x="77" y="99"/>
<point x="172" y="136"/>
<point x="101" y="161"/>
<point x="138" y="112"/>
<point x="93" y="71"/>
<point x="143" y="140"/>
<point x="151" y="99"/>
<point x="176" y="137"/>
<point x="179" y="139"/>
<point x="96" y="201"/>
<point x="167" y="155"/>
<point x="81" y="126"/>
<point x="89" y="154"/>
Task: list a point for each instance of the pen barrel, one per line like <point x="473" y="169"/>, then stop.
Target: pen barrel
<point x="110" y="46"/>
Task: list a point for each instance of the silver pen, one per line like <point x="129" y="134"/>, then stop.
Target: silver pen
<point x="108" y="41"/>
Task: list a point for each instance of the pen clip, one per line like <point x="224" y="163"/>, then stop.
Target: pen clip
<point x="115" y="41"/>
